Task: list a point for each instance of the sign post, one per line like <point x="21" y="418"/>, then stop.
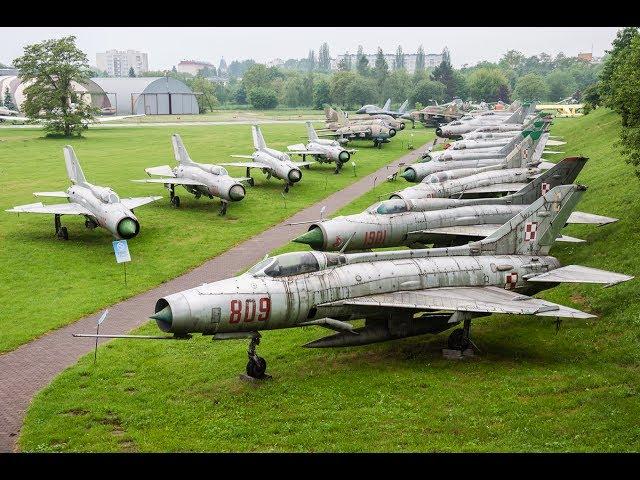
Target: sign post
<point x="121" y="251"/>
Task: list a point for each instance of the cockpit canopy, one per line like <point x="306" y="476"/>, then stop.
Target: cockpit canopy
<point x="287" y="264"/>
<point x="389" y="207"/>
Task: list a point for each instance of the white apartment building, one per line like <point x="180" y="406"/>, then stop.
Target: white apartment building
<point x="117" y="63"/>
<point x="431" y="60"/>
<point x="192" y="67"/>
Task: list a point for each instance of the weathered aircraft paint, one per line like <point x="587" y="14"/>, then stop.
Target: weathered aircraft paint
<point x="197" y="178"/>
<point x="272" y="162"/>
<point x="389" y="288"/>
<point x="440" y="222"/>
<point x="100" y="206"/>
<point x="323" y="150"/>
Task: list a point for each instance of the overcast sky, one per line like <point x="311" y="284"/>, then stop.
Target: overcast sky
<point x="167" y="46"/>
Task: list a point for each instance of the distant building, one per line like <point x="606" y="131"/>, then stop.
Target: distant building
<point x="585" y="57"/>
<point x="117" y="63"/>
<point x="223" y="69"/>
<point x="431" y="60"/>
<point x="192" y="67"/>
<point x="8" y="71"/>
<point x="276" y="62"/>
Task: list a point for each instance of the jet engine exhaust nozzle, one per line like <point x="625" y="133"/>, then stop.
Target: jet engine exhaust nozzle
<point x="409" y="175"/>
<point x="237" y="193"/>
<point x="128" y="228"/>
<point x="294" y="175"/>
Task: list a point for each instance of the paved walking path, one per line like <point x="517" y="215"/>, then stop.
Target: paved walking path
<point x="31" y="367"/>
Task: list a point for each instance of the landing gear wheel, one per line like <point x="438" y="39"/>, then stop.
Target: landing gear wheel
<point x="63" y="233"/>
<point x="223" y="208"/>
<point x="286" y="188"/>
<point x="251" y="181"/>
<point x="175" y="201"/>
<point x="256" y="367"/>
<point x="458" y="340"/>
<point x="307" y="167"/>
<point x="338" y="167"/>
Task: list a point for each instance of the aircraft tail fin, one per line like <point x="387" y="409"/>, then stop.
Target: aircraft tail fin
<point x="330" y="114"/>
<point x="74" y="170"/>
<point x="179" y="152"/>
<point x="313" y="136"/>
<point x="517" y="116"/>
<point x="535" y="229"/>
<point x="342" y="119"/>
<point x="508" y="147"/>
<point x="387" y="105"/>
<point x="258" y="139"/>
<point x="564" y="172"/>
<point x="403" y="107"/>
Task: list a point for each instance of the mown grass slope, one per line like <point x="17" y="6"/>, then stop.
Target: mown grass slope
<point x="531" y="389"/>
<point x="49" y="283"/>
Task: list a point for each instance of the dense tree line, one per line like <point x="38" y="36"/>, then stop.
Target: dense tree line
<point x="619" y="89"/>
<point x="310" y="83"/>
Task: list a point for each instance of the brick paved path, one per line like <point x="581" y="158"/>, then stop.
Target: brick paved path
<point x="31" y="367"/>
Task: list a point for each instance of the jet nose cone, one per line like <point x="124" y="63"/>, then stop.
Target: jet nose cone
<point x="236" y="193"/>
<point x="409" y="174"/>
<point x="294" y="175"/>
<point x="344" y="156"/>
<point x="128" y="228"/>
<point x="163" y="317"/>
<point x="314" y="238"/>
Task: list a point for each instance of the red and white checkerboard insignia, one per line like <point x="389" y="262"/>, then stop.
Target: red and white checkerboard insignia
<point x="530" y="231"/>
<point x="511" y="281"/>
<point x="545" y="188"/>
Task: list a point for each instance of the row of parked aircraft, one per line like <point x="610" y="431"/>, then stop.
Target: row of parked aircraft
<point x="488" y="255"/>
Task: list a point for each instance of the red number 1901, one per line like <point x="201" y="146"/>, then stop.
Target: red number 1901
<point x="248" y="313"/>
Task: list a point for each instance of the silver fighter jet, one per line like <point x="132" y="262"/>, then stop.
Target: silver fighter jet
<point x="197" y="178"/>
<point x="100" y="206"/>
<point x="273" y="163"/>
<point x="399" y="293"/>
<point x="324" y="150"/>
<point x="439" y="222"/>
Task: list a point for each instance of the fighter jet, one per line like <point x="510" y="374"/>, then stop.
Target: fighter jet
<point x="100" y="206"/>
<point x="385" y="110"/>
<point x="197" y="178"/>
<point x="336" y="119"/>
<point x="324" y="151"/>
<point x="435" y="115"/>
<point x="399" y="293"/>
<point x="272" y="162"/>
<point x="527" y="153"/>
<point x="374" y="130"/>
<point x="490" y="121"/>
<point x="439" y="222"/>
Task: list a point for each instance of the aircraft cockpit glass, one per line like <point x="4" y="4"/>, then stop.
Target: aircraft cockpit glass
<point x="260" y="265"/>
<point x="113" y="198"/>
<point x="389" y="207"/>
<point x="295" y="263"/>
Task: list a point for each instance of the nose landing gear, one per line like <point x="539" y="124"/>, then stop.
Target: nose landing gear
<point x="175" y="200"/>
<point x="223" y="208"/>
<point x="256" y="366"/>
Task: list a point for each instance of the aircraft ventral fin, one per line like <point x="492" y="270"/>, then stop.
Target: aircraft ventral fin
<point x="466" y="299"/>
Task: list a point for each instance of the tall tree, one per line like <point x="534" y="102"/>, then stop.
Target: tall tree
<point x="311" y="59"/>
<point x="615" y="57"/>
<point x="531" y="87"/>
<point x="51" y="68"/>
<point x="321" y="94"/>
<point x="398" y="63"/>
<point x="420" y="60"/>
<point x="444" y="74"/>
<point x="380" y="69"/>
<point x="363" y="66"/>
<point x="324" y="60"/>
<point x="8" y="101"/>
<point x="132" y="72"/>
<point x="488" y="84"/>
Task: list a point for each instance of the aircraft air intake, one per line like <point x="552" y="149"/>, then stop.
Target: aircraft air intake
<point x="237" y="192"/>
<point x="294" y="175"/>
<point x="128" y="228"/>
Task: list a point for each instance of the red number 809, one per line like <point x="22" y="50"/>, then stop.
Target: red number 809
<point x="248" y="313"/>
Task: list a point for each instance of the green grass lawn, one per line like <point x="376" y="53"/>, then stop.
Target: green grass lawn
<point x="49" y="283"/>
<point x="531" y="389"/>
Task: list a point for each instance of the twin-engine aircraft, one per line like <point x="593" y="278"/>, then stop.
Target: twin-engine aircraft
<point x="100" y="206"/>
